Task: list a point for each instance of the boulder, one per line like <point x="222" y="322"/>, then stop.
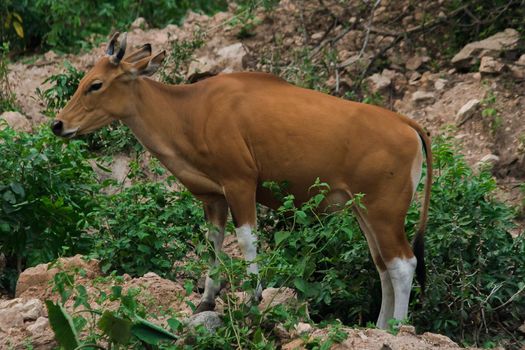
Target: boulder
<point x="10" y="318"/>
<point x="272" y="297"/>
<point x="16" y="120"/>
<point x="506" y="41"/>
<point x="225" y="59"/>
<point x="491" y="65"/>
<point x="40" y="327"/>
<point x="467" y="111"/>
<point x="139" y="23"/>
<point x="209" y="319"/>
<point x="34" y="281"/>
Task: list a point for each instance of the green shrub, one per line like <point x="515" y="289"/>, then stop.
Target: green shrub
<point x="146" y="227"/>
<point x="46" y="188"/>
<point x="476" y="270"/>
<point x="7" y="97"/>
<point x="68" y="25"/>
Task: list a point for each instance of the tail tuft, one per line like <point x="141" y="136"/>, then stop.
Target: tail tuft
<point x="418" y="247"/>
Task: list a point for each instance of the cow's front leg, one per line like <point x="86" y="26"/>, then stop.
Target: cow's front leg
<point x="216" y="213"/>
<point x="241" y="200"/>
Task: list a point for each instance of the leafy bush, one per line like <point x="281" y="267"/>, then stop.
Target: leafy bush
<point x="146" y="227"/>
<point x="67" y="25"/>
<point x="7" y="97"/>
<point x="46" y="187"/>
<point x="476" y="270"/>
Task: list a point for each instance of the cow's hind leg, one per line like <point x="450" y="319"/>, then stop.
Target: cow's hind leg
<point x="216" y="212"/>
<point x="387" y="223"/>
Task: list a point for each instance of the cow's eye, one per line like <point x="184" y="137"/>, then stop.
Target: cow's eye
<point x="95" y="86"/>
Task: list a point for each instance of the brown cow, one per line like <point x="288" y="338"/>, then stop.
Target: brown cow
<point x="224" y="136"/>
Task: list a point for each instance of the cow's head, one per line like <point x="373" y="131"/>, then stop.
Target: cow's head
<point x="105" y="93"/>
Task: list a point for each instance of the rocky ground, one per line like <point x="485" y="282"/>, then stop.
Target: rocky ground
<point x="454" y="95"/>
<point x="24" y="320"/>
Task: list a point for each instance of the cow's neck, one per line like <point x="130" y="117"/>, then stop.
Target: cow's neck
<point x="161" y="120"/>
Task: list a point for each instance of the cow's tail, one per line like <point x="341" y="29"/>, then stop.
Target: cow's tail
<point x="418" y="245"/>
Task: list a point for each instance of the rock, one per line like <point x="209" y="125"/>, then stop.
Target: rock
<point x="406" y="329"/>
<point x="439" y="340"/>
<point x="490" y="65"/>
<point x="36" y="279"/>
<point x="209" y="319"/>
<point x="414" y="62"/>
<point x="440" y="84"/>
<point x="303" y="328"/>
<point x="522" y="328"/>
<point x="50" y="56"/>
<point x="39" y="327"/>
<point x="487" y="160"/>
<point x="508" y="40"/>
<point x="272" y="297"/>
<point x="139" y="23"/>
<point x="31" y="310"/>
<point x="16" y="120"/>
<point x="151" y="275"/>
<point x="317" y="36"/>
<point x="423" y="97"/>
<point x="467" y="111"/>
<point x="378" y="82"/>
<point x="233" y="56"/>
<point x="10" y="318"/>
<point x="518" y="68"/>
<point x="226" y="59"/>
<point x="294" y="345"/>
<point x="414" y="78"/>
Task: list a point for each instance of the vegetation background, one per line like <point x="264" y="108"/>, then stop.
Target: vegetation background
<point x="54" y="202"/>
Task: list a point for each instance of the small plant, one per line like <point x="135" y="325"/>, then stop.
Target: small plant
<point x="7" y="97"/>
<point x="63" y="87"/>
<point x="145" y="228"/>
<point x="181" y="54"/>
<point x="46" y="188"/>
<point x="125" y="326"/>
<point x="491" y="113"/>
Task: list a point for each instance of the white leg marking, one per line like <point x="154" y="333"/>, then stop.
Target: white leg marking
<point x="417" y="166"/>
<point x="401" y="272"/>
<point x="211" y="287"/>
<point x="387" y="300"/>
<point x="248" y="244"/>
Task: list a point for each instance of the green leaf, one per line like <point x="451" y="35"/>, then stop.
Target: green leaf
<point x="18" y="29"/>
<point x="18" y="189"/>
<point x="62" y="325"/>
<point x="150" y="333"/>
<point x="117" y="329"/>
<point x="281" y="236"/>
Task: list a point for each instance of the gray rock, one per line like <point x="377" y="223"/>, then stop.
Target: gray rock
<point x="490" y="65"/>
<point x="31" y="310"/>
<point x="139" y="23"/>
<point x="488" y="160"/>
<point x="508" y="40"/>
<point x="467" y="111"/>
<point x="209" y="319"/>
<point x="378" y="82"/>
<point x="10" y="318"/>
<point x="16" y="121"/>
<point x="423" y="97"/>
<point x="39" y="327"/>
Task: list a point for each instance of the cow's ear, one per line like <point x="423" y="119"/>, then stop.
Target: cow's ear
<point x="149" y="65"/>
<point x="141" y="53"/>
